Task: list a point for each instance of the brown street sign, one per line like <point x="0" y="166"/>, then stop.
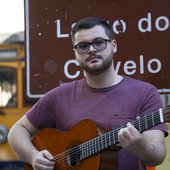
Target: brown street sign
<point x="142" y="30"/>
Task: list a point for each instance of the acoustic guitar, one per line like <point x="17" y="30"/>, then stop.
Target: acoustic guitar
<point x="78" y="148"/>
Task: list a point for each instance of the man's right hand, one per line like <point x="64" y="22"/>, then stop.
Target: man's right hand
<point x="43" y="160"/>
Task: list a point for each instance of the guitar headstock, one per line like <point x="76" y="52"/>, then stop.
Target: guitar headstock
<point x="166" y="114"/>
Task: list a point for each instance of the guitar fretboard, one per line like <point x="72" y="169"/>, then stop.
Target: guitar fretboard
<point x="110" y="138"/>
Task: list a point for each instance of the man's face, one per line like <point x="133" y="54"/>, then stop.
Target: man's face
<point x="94" y="61"/>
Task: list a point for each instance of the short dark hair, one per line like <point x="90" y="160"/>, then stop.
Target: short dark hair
<point x="90" y="22"/>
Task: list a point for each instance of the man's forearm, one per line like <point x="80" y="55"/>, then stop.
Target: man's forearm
<point x="154" y="155"/>
<point x="21" y="144"/>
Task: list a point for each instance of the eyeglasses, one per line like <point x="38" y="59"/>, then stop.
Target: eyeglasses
<point x="98" y="44"/>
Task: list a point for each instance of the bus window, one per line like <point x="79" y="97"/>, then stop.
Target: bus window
<point x="8" y="92"/>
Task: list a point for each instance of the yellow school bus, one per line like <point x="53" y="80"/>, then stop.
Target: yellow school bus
<point x="13" y="101"/>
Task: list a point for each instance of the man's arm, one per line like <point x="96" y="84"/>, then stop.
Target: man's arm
<point x="148" y="146"/>
<point x="19" y="138"/>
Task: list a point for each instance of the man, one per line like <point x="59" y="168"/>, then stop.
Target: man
<point x="102" y="96"/>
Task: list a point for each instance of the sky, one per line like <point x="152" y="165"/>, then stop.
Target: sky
<point x="11" y="16"/>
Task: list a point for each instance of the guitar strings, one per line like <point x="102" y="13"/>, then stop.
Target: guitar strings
<point x="61" y="158"/>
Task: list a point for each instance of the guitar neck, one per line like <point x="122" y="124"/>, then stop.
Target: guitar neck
<point x="110" y="138"/>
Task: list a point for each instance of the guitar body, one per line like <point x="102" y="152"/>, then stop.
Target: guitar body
<point x="58" y="142"/>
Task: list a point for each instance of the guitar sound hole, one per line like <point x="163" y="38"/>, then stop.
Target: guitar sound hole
<point x="74" y="156"/>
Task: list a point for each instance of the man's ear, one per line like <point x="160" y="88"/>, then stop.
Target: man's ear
<point x="75" y="54"/>
<point x="74" y="51"/>
<point x="114" y="45"/>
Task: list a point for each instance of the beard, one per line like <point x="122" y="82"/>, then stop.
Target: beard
<point x="98" y="68"/>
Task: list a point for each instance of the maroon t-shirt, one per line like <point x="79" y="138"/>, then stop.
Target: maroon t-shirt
<point x="112" y="107"/>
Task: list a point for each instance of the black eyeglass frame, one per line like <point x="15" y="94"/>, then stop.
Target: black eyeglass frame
<point x="91" y="43"/>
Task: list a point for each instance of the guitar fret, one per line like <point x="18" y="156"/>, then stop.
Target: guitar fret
<point x="111" y="138"/>
<point x="146" y="126"/>
<point x="116" y="135"/>
<point x="105" y="142"/>
<point x="158" y="118"/>
<point x="98" y="146"/>
<point x="82" y="151"/>
<point x="149" y="120"/>
<point x="95" y="144"/>
<point x="161" y="115"/>
<point x="110" y="143"/>
<point x="101" y="145"/>
<point x="88" y="150"/>
<point x="152" y="119"/>
<point x="93" y="148"/>
<point x="139" y="123"/>
<point x="142" y="124"/>
<point x="90" y="147"/>
<point x="85" y="152"/>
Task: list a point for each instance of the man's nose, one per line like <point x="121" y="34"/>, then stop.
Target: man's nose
<point x="91" y="48"/>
